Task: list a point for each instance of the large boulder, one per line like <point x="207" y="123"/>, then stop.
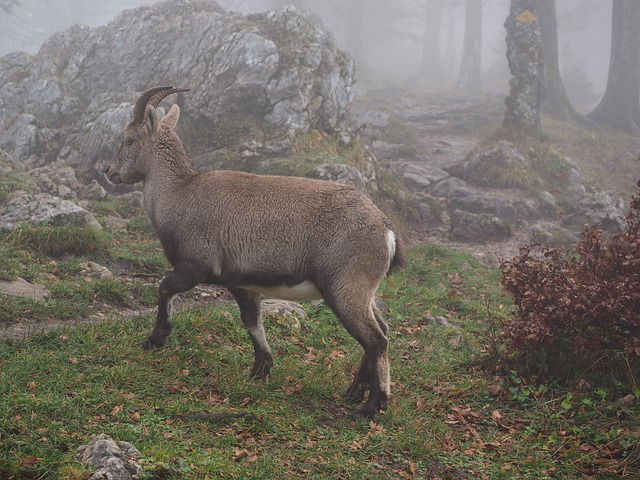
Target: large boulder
<point x="282" y="68"/>
<point x="43" y="209"/>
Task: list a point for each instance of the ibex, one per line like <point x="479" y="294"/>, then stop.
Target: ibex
<point x="259" y="235"/>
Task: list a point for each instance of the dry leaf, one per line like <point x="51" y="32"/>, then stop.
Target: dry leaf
<point x="245" y="455"/>
<point x="30" y="461"/>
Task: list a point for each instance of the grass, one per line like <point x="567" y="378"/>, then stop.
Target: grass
<point x="453" y="414"/>
<point x="11" y="180"/>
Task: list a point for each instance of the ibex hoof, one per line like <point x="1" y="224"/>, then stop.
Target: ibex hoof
<point x="370" y="409"/>
<point x="363" y="413"/>
<point x="149" y="344"/>
<point x="356" y="393"/>
<point x="261" y="372"/>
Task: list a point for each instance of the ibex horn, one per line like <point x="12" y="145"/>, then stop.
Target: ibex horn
<point x="152" y="97"/>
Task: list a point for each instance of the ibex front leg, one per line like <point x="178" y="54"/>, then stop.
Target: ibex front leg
<point x="182" y="279"/>
<point x="249" y="304"/>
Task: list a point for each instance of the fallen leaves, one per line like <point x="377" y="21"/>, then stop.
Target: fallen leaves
<point x="245" y="455"/>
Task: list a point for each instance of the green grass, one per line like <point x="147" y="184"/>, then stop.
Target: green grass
<point x="453" y="412"/>
<point x="60" y="240"/>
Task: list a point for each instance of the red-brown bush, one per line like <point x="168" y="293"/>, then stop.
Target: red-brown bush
<point x="588" y="298"/>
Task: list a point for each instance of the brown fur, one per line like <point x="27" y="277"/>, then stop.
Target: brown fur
<point x="290" y="236"/>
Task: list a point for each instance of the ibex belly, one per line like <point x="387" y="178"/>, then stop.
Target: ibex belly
<point x="306" y="290"/>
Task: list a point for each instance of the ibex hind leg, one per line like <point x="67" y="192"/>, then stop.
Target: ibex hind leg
<point x="181" y="279"/>
<point x="361" y="381"/>
<point x="363" y="324"/>
<point x="249" y="304"/>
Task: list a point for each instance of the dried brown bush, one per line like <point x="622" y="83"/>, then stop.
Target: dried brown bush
<point x="587" y="299"/>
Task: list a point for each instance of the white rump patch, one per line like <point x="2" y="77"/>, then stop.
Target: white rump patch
<point x="391" y="244"/>
<point x="306" y="290"/>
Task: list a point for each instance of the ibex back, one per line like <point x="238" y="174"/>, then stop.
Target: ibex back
<point x="282" y="237"/>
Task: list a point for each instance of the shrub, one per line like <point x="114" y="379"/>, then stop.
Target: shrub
<point x="584" y="301"/>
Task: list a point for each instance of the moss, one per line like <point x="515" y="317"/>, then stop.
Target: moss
<point x="543" y="167"/>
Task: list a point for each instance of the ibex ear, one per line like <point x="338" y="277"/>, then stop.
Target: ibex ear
<point x="150" y="120"/>
<point x="171" y="118"/>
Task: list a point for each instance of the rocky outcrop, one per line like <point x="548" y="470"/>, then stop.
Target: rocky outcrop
<point x="43" y="209"/>
<point x="486" y="192"/>
<point x="70" y="101"/>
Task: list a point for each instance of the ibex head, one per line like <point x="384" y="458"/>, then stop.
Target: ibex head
<point x="128" y="164"/>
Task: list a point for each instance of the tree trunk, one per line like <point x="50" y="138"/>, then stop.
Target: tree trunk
<point x="430" y="64"/>
<point x="526" y="63"/>
<point x="620" y="105"/>
<point x="557" y="103"/>
<point x="470" y="78"/>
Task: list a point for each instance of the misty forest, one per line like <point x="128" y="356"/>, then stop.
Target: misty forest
<point x="489" y="148"/>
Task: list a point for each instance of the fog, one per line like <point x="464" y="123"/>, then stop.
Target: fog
<point x="413" y="43"/>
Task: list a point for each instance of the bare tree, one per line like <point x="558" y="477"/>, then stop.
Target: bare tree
<point x="620" y="104"/>
<point x="470" y="78"/>
<point x="557" y="103"/>
<point x="430" y="62"/>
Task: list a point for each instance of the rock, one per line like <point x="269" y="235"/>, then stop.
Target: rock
<point x="478" y="228"/>
<point x="283" y="307"/>
<point x="499" y="166"/>
<point x="135" y="199"/>
<point x="420" y="177"/>
<point x="439" y="320"/>
<point x="390" y="150"/>
<point x="282" y="68"/>
<point x="24" y="139"/>
<point x="21" y="288"/>
<point x="431" y="211"/>
<point x="340" y="173"/>
<point x="552" y="235"/>
<point x="57" y="180"/>
<point x="43" y="209"/>
<point x="370" y="121"/>
<point x="95" y="270"/>
<point x="292" y="311"/>
<point x="112" y="461"/>
<point x="460" y="196"/>
<point x="93" y="191"/>
<point x="604" y="209"/>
